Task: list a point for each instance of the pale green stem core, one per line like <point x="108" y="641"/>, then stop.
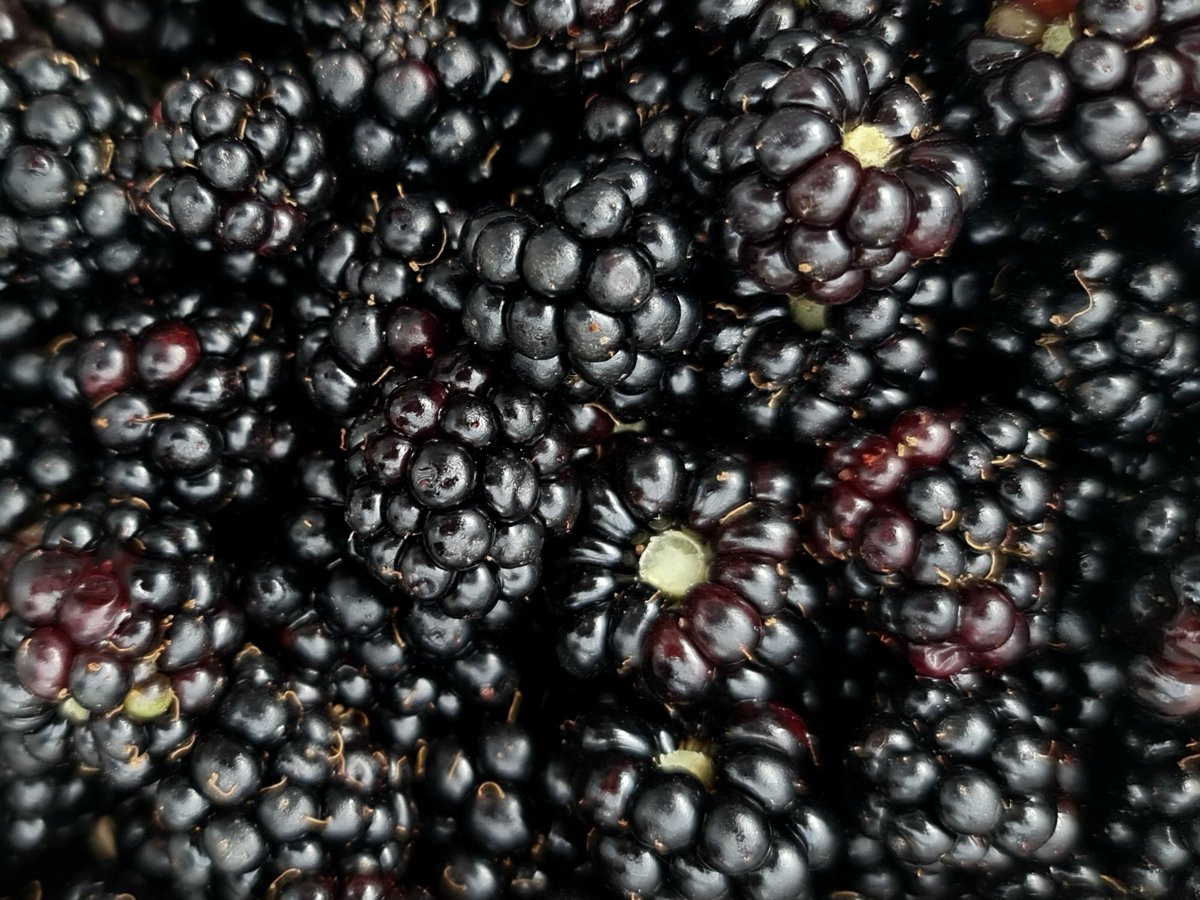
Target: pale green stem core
<point x="1058" y="37"/>
<point x="674" y="562"/>
<point x="149" y="700"/>
<point x="637" y="427"/>
<point x="70" y="710"/>
<point x="869" y="145"/>
<point x="1018" y="22"/>
<point x="806" y="313"/>
<point x="692" y="762"/>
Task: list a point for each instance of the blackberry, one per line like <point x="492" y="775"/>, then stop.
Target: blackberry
<point x="788" y="367"/>
<point x="412" y="88"/>
<point x="269" y="789"/>
<point x="189" y="396"/>
<point x="725" y="808"/>
<point x="943" y="530"/>
<point x="41" y="463"/>
<point x="296" y="885"/>
<point x="584" y="296"/>
<point x="118" y="638"/>
<point x="69" y="147"/>
<point x="1088" y="89"/>
<point x="831" y="172"/>
<point x="373" y="304"/>
<point x="457" y="480"/>
<point x="686" y="573"/>
<point x="233" y="158"/>
<point x="963" y="785"/>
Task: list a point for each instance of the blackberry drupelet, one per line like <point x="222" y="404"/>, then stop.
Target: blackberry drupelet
<point x="791" y="368"/>
<point x="686" y="572"/>
<point x="943" y="531"/>
<point x="1088" y="88"/>
<point x="729" y="807"/>
<point x="963" y="784"/>
<point x="190" y="395"/>
<point x="233" y="158"/>
<point x="584" y="295"/>
<point x="270" y="788"/>
<point x="374" y="300"/>
<point x="457" y="480"/>
<point x="68" y="139"/>
<point x="832" y="174"/>
<point x="414" y="89"/>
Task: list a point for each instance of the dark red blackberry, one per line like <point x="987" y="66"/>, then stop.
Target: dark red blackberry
<point x="457" y="480"/>
<point x="686" y="573"/>
<point x="494" y="811"/>
<point x="943" y="530"/>
<point x="413" y="88"/>
<point x="233" y="158"/>
<point x="189" y="392"/>
<point x="1089" y="88"/>
<point x="963" y="785"/>
<point x="69" y="148"/>
<point x="297" y="885"/>
<point x="270" y="788"/>
<point x="832" y="174"/>
<point x="585" y="295"/>
<point x="726" y="808"/>
<point x="118" y="638"/>
<point x="791" y="368"/>
<point x="373" y="306"/>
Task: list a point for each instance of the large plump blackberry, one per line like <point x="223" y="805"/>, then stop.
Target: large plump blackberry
<point x="584" y="294"/>
<point x="457" y="480"/>
<point x="233" y="158"/>
<point x="686" y="573"/>
<point x="1089" y="88"/>
<point x="411" y="87"/>
<point x="791" y="368"/>
<point x="726" y="808"/>
<point x="189" y="396"/>
<point x="962" y="784"/>
<point x="374" y="304"/>
<point x="832" y="174"/>
<point x="68" y="139"/>
<point x="271" y="788"/>
<point x="943" y="529"/>
<point x="118" y="639"/>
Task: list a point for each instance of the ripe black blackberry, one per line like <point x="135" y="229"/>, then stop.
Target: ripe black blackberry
<point x="457" y="480"/>
<point x="69" y="147"/>
<point x="118" y="639"/>
<point x="686" y="573"/>
<point x="963" y="784"/>
<point x="269" y="788"/>
<point x="413" y="88"/>
<point x="726" y="808"/>
<point x="584" y="295"/>
<point x="43" y="461"/>
<point x="943" y="531"/>
<point x="791" y="368"/>
<point x="233" y="158"/>
<point x="190" y="395"/>
<point x="372" y="307"/>
<point x="1088" y="89"/>
<point x="832" y="173"/>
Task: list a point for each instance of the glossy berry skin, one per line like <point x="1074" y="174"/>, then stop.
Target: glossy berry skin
<point x="1093" y="91"/>
<point x="726" y="808"/>
<point x="457" y="480"/>
<point x="916" y="520"/>
<point x="40" y="463"/>
<point x="831" y="174"/>
<point x="233" y="159"/>
<point x="959" y="784"/>
<point x="69" y="145"/>
<point x="582" y="293"/>
<point x="123" y="631"/>
<point x="686" y="575"/>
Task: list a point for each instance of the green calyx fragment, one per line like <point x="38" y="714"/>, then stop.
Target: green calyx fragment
<point x="808" y="314"/>
<point x="869" y="145"/>
<point x="150" y="699"/>
<point x="1058" y="37"/>
<point x="70" y="710"/>
<point x="674" y="562"/>
<point x="692" y="762"/>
